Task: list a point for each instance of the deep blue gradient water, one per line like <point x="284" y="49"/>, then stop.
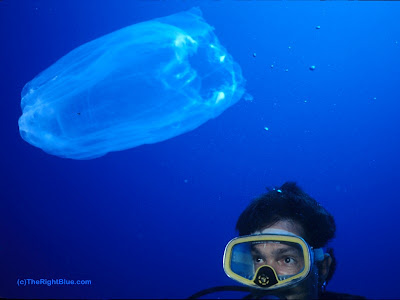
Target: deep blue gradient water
<point x="152" y="222"/>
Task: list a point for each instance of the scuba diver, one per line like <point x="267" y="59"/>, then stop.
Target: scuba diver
<point x="279" y="253"/>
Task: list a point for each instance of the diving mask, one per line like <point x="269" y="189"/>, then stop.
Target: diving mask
<point x="269" y="261"/>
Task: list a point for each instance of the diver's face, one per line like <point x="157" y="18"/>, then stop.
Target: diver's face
<point x="283" y="260"/>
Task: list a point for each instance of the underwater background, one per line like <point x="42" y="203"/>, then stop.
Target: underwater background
<point x="153" y="221"/>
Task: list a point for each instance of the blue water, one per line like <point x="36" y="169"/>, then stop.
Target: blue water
<point x="153" y="221"/>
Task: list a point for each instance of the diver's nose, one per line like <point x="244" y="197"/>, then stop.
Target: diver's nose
<point x="273" y="265"/>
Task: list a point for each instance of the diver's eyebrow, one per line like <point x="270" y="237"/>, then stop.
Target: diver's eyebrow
<point x="255" y="251"/>
<point x="287" y="250"/>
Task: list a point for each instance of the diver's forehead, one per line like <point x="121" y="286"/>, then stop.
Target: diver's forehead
<point x="274" y="231"/>
<point x="287" y="227"/>
<point x="271" y="246"/>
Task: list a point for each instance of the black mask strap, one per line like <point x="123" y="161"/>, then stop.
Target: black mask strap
<point x="223" y="288"/>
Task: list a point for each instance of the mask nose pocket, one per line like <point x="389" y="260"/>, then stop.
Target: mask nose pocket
<point x="265" y="277"/>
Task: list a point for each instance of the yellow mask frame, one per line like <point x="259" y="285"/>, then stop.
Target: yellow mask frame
<point x="265" y="277"/>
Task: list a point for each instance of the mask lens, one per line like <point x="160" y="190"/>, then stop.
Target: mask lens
<point x="285" y="259"/>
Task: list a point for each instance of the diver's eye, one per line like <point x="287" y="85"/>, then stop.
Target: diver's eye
<point x="289" y="260"/>
<point x="258" y="260"/>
